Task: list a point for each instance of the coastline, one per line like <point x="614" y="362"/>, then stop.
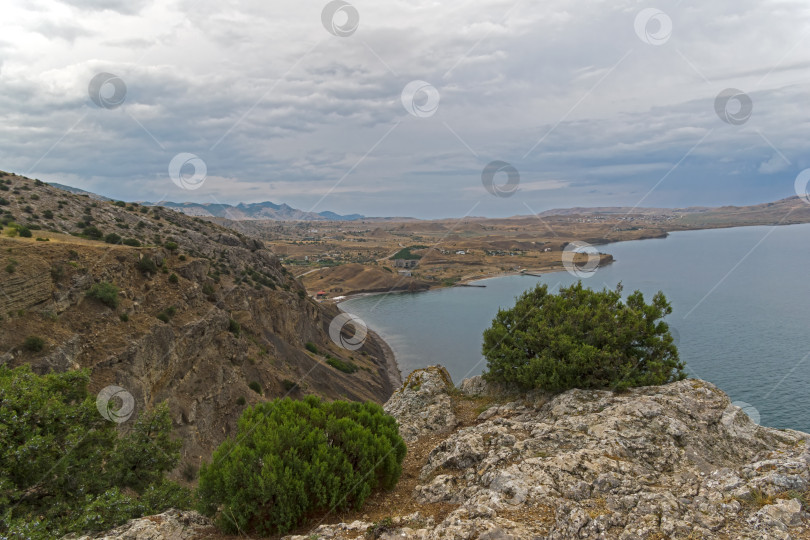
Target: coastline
<point x="467" y="281"/>
<point x="389" y="361"/>
<point x="392" y="370"/>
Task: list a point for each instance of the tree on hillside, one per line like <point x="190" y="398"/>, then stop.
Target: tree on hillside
<point x="580" y="338"/>
<point x="64" y="468"/>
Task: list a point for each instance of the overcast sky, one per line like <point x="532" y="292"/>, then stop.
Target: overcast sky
<point x="397" y="108"/>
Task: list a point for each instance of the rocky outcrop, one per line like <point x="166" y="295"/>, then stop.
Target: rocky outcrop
<point x="674" y="461"/>
<point x="423" y="405"/>
<point x="173" y="524"/>
<point x="26" y="283"/>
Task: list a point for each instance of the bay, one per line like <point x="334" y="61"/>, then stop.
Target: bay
<point x="741" y="313"/>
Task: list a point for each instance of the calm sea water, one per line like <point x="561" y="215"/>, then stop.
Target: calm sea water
<point x="741" y="310"/>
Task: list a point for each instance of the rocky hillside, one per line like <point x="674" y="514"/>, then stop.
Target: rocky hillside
<point x="675" y="461"/>
<point x="203" y="317"/>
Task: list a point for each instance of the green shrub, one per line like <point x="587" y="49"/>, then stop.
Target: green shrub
<point x="39" y="239"/>
<point x="146" y="265"/>
<point x="190" y="471"/>
<point x="104" y="292"/>
<point x="288" y="385"/>
<point x="112" y="238"/>
<point x="57" y="272"/>
<point x="173" y="278"/>
<point x="92" y="232"/>
<point x="131" y="242"/>
<point x="124" y="317"/>
<point x="345" y="367"/>
<point x="120" y="204"/>
<point x="97" y="478"/>
<point x="582" y="338"/>
<point x="234" y="327"/>
<point x="241" y="400"/>
<point x="24" y="231"/>
<point x="293" y="459"/>
<point x="208" y="290"/>
<point x="167" y="314"/>
<point x="255" y="386"/>
<point x="171" y="246"/>
<point x="33" y="344"/>
<point x="311" y="347"/>
<point x="47" y="214"/>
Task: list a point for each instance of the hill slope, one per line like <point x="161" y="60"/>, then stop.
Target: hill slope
<point x="214" y="315"/>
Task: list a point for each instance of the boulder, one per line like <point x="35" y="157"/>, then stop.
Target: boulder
<point x="422" y="406"/>
<point x="172" y="524"/>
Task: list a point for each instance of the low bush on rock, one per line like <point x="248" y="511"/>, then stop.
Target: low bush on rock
<point x="291" y="459"/>
<point x="104" y="292"/>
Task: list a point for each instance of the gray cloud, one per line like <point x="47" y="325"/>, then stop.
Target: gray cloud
<point x="127" y="7"/>
<point x="280" y="109"/>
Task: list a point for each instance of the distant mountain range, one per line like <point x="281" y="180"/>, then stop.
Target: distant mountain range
<point x="240" y="212"/>
<point x="255" y="211"/>
<point x="77" y="191"/>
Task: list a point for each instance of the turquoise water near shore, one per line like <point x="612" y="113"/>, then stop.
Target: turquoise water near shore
<point x="741" y="310"/>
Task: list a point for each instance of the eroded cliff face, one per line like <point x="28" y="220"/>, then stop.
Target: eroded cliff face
<point x="675" y="461"/>
<point x="231" y="316"/>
